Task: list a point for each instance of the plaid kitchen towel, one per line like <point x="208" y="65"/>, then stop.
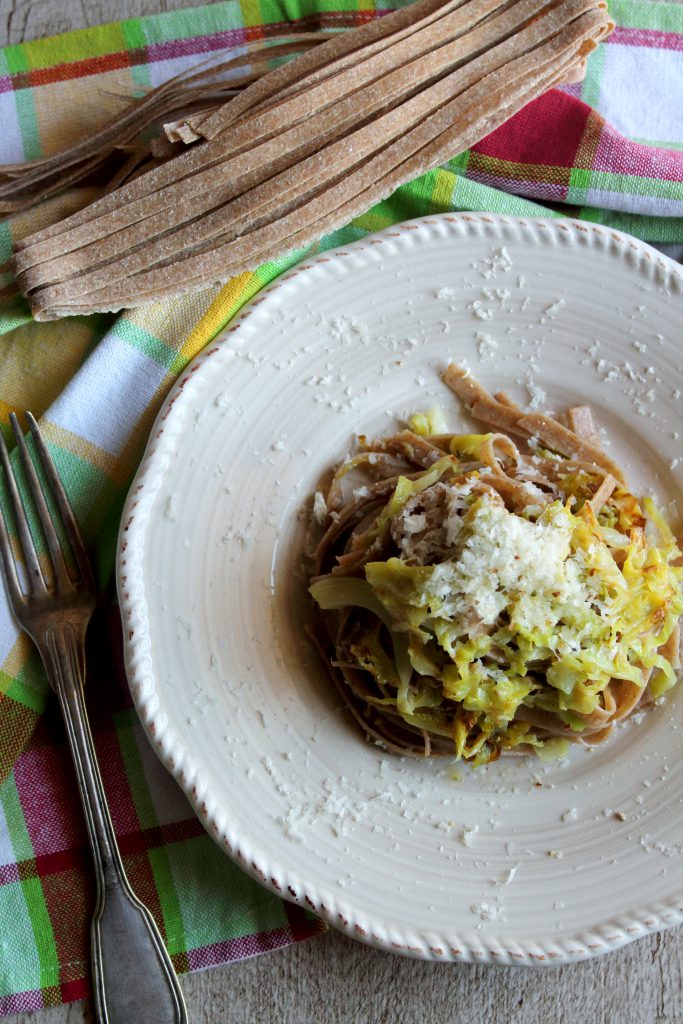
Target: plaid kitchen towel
<point x="608" y="150"/>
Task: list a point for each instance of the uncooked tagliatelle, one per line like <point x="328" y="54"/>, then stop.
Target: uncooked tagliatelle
<point x="302" y="150"/>
<point x="477" y="594"/>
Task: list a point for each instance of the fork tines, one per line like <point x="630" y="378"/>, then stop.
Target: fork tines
<point x="49" y="506"/>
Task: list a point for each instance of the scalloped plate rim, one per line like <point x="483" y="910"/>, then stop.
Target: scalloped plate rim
<point x="174" y="754"/>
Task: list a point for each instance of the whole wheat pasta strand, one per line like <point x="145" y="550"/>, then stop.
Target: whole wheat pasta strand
<point x="104" y="300"/>
<point x="347" y="43"/>
<point x="19" y="191"/>
<point x="322" y="94"/>
<point x="207" y="199"/>
<point x="320" y="205"/>
<point x="475" y="15"/>
<point x="131" y="119"/>
<point x="497" y="410"/>
<point x="21" y="185"/>
<point x="29" y="185"/>
<point x="251" y="105"/>
<point x="11" y="206"/>
<point x="235" y="142"/>
<point x="136" y="158"/>
<point x="276" y="195"/>
<point x="231" y="267"/>
<point x="437" y="151"/>
<point x="361" y="143"/>
<point x="176" y="169"/>
<point x="261" y="244"/>
<point x="179" y="83"/>
<point x="132" y="293"/>
<point x="580" y="420"/>
<point x="603" y="493"/>
<point x="563" y="440"/>
<point x="197" y="157"/>
<point x="577" y="74"/>
<point x="468" y="9"/>
<point x="247" y="133"/>
<point x="236" y="256"/>
<point x="526" y="424"/>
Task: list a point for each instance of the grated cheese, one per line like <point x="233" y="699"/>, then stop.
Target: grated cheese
<point x="319" y="508"/>
<point x="506" y="557"/>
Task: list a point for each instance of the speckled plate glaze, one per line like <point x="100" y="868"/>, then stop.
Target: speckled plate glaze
<point x="518" y="863"/>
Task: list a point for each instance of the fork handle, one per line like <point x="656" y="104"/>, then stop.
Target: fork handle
<point x="133" y="977"/>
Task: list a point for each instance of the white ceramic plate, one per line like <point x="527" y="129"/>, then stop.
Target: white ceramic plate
<point x="517" y="863"/>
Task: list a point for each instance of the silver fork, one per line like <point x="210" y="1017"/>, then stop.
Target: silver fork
<point x="133" y="978"/>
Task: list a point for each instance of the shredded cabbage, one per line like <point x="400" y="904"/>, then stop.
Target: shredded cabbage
<point x="590" y="622"/>
<point x="427" y="423"/>
<point x="547" y="613"/>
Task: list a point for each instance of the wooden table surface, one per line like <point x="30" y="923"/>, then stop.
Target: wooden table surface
<point x="331" y="979"/>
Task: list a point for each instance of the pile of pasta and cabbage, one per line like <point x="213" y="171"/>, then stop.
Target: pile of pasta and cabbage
<point x="498" y="592"/>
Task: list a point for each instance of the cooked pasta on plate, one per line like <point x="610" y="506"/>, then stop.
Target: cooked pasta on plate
<point x="497" y="592"/>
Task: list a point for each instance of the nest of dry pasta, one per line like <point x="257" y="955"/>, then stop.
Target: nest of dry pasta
<point x="297" y="153"/>
<point x="477" y="594"/>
